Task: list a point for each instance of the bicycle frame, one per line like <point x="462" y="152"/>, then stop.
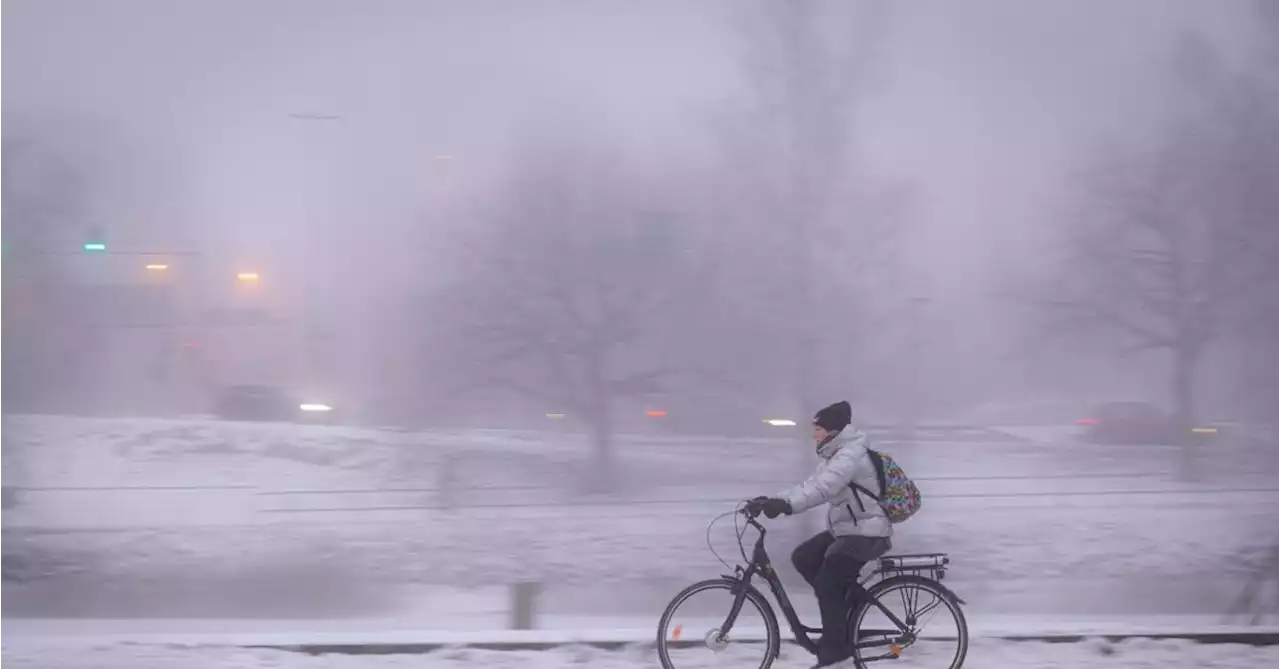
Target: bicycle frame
<point x="762" y="566"/>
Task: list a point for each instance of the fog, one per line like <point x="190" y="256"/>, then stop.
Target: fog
<point x="598" y="223"/>
<point x="195" y="129"/>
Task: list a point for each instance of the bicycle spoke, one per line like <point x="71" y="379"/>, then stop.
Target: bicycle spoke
<point x="690" y="632"/>
<point x="915" y="616"/>
<point x="878" y="638"/>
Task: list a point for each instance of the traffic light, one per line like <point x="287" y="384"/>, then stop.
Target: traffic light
<point x="95" y="240"/>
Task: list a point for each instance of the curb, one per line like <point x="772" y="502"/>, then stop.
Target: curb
<point x="1242" y="638"/>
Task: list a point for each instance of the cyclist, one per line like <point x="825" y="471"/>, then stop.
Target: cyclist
<point x="857" y="531"/>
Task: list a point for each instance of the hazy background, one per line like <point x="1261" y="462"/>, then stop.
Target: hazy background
<point x="176" y="120"/>
<point x="471" y="216"/>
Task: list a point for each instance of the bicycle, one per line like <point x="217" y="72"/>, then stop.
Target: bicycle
<point x="920" y="573"/>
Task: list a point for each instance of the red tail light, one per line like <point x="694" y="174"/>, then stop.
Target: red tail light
<point x="1086" y="421"/>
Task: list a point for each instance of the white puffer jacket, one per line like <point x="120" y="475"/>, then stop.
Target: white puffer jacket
<point x="841" y="460"/>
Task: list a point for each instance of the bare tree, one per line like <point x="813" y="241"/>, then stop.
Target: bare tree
<point x="44" y="194"/>
<point x="817" y="228"/>
<point x="575" y="288"/>
<point x="1174" y="243"/>
<point x="1255" y="127"/>
<point x="813" y="229"/>
<point x="1239" y="109"/>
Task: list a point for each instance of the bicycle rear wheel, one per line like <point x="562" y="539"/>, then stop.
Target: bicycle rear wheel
<point x="918" y="603"/>
<point x="689" y="632"/>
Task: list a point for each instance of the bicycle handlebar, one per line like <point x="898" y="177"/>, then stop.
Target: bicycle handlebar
<point x="751" y="517"/>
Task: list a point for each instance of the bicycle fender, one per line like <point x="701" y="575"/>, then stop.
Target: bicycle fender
<point x="736" y="586"/>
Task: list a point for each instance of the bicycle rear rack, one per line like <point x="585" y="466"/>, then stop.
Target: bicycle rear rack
<point x="933" y="565"/>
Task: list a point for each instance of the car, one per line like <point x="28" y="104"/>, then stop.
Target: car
<point x="1134" y="423"/>
<point x="1036" y="412"/>
<point x="257" y="402"/>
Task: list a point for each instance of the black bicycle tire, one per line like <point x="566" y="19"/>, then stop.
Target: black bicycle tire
<point x="773" y="642"/>
<point x="942" y="592"/>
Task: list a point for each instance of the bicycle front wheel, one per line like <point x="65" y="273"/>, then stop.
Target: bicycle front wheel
<point x="701" y="628"/>
<point x="922" y="626"/>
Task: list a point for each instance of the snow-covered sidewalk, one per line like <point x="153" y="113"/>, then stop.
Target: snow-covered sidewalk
<point x="983" y="654"/>
<point x="473" y="629"/>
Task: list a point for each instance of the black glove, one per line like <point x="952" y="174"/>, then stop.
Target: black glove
<point x="769" y="506"/>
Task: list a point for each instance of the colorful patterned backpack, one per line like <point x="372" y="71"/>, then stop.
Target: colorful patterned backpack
<point x="901" y="498"/>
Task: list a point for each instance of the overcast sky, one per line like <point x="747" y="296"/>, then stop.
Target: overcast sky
<point x="985" y="104"/>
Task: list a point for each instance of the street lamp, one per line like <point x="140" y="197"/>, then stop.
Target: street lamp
<point x="247" y="277"/>
<point x="157" y="267"/>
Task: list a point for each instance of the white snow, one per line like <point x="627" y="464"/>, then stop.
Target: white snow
<point x="1043" y="522"/>
<point x="1018" y="538"/>
<point x="983" y="654"/>
<point x="473" y="627"/>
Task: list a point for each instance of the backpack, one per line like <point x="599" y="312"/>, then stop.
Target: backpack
<point x="901" y="498"/>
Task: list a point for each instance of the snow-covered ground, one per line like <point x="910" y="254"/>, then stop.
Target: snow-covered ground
<point x="461" y="621"/>
<point x="983" y="654"/>
<point x="999" y="539"/>
<point x="138" y="504"/>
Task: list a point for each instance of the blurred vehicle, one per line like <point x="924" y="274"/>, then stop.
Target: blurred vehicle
<point x="270" y="403"/>
<point x="1030" y="412"/>
<point x="1134" y="423"/>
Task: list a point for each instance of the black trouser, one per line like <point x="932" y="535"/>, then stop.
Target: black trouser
<point x="831" y="565"/>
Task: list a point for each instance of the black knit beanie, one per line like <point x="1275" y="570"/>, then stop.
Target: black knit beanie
<point x="835" y="417"/>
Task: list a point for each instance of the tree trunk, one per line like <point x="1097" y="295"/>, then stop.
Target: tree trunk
<point x="602" y="476"/>
<point x="1184" y="410"/>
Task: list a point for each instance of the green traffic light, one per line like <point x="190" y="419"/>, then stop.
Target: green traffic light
<point x="95" y="246"/>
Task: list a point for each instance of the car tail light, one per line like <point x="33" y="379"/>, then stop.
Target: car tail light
<point x="1086" y="421"/>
